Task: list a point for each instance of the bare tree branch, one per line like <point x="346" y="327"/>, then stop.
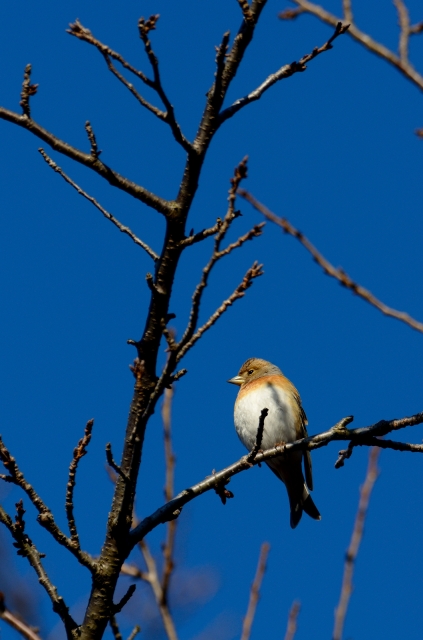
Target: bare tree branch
<point x="404" y="25"/>
<point x="365" y="493"/>
<point x="366" y="436"/>
<point x="112" y="177"/>
<point x="45" y="517"/>
<point x="291" y="628"/>
<point x="253" y="272"/>
<point x="255" y="592"/>
<point x="347" y="9"/>
<point x="82" y="33"/>
<point x="403" y="65"/>
<point x="286" y="71"/>
<point x="93" y="141"/>
<point x="93" y="201"/>
<point x="27" y="549"/>
<point x="16" y="622"/>
<point x="78" y="453"/>
<point x="187" y="339"/>
<point x="339" y="274"/>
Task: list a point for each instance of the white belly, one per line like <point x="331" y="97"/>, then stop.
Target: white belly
<point x="280" y="423"/>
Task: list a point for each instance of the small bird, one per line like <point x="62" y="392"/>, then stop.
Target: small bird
<point x="263" y="385"/>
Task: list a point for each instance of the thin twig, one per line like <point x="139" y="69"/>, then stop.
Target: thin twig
<point x="286" y="71"/>
<point x="339" y="274"/>
<point x="291" y="627"/>
<point x="16" y="622"/>
<point x="404" y="67"/>
<point x="201" y="235"/>
<point x="78" y="453"/>
<point x="144" y="27"/>
<point x="253" y="272"/>
<point x="255" y="592"/>
<point x="111" y="462"/>
<point x="93" y="201"/>
<point x="93" y="141"/>
<point x="135" y="631"/>
<point x="366" y="436"/>
<point x="27" y="549"/>
<point x="365" y="493"/>
<point x="28" y="90"/>
<point x="168" y="546"/>
<point x="117" y="608"/>
<point x="45" y="517"/>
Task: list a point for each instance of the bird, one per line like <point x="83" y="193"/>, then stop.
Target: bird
<point x="263" y="385"/>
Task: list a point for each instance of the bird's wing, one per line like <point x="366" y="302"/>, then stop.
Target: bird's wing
<point x="308" y="469"/>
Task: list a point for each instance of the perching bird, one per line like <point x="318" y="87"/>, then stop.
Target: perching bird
<point x="263" y="385"/>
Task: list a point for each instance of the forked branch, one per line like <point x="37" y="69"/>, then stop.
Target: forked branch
<point x="286" y="71"/>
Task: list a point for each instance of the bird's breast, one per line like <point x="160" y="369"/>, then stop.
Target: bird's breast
<point x="282" y="421"/>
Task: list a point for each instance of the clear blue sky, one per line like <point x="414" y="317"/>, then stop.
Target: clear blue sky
<point x="332" y="149"/>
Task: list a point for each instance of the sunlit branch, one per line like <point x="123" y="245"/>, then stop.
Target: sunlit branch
<point x="404" y="66"/>
<point x="291" y="627"/>
<point x="366" y="436"/>
<point x="337" y="273"/>
<point x="286" y="71"/>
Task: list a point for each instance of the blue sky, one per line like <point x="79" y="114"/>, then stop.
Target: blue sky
<point x="333" y="150"/>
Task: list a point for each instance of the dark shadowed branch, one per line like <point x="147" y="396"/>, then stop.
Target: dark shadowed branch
<point x="78" y="453"/>
<point x="105" y="213"/>
<point x="291" y="627"/>
<point x="357" y="534"/>
<point x="79" y="31"/>
<point x="45" y="517"/>
<point x="337" y="273"/>
<point x="27" y="549"/>
<point x="255" y="592"/>
<point x="365" y="436"/>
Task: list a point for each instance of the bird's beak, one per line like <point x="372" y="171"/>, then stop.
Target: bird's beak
<point x="236" y="380"/>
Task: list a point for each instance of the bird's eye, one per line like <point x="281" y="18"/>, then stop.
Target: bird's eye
<point x="250" y="371"/>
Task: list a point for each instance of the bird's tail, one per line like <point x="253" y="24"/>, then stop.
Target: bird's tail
<point x="300" y="503"/>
